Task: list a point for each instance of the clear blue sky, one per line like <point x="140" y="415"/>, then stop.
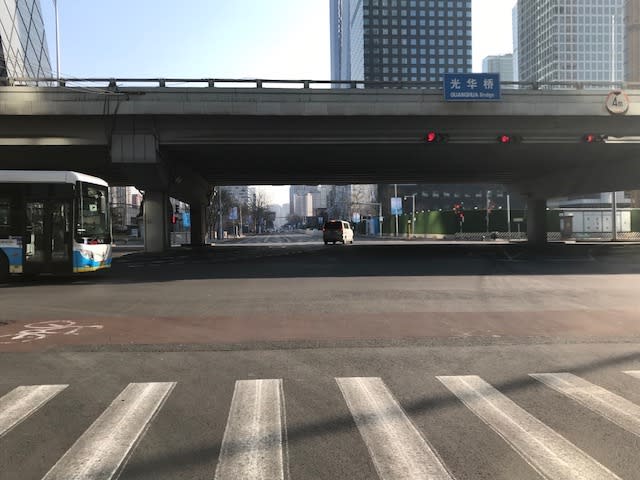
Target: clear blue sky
<point x="221" y="38"/>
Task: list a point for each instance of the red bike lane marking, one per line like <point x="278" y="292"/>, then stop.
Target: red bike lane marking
<point x="41" y="335"/>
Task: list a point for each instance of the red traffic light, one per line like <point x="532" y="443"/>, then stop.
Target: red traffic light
<point x="435" y="137"/>
<point x="509" y="139"/>
<point x="593" y="138"/>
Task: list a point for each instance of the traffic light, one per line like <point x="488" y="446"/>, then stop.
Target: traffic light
<point x="174" y="219"/>
<point x="505" y="138"/>
<point x="593" y="138"/>
<point x="458" y="210"/>
<point x="435" y="137"/>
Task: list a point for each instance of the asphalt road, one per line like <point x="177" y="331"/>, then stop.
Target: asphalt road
<point x="296" y="360"/>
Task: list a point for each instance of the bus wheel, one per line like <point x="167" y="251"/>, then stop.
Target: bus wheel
<point x="4" y="268"/>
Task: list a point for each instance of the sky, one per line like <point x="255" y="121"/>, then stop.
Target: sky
<point x="285" y="39"/>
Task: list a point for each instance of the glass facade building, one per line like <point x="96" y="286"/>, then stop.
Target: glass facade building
<point x="23" y="43"/>
<point x="400" y="40"/>
<point x="570" y="40"/>
<point x="502" y="64"/>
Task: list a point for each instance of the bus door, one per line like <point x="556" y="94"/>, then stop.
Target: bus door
<point x="48" y="239"/>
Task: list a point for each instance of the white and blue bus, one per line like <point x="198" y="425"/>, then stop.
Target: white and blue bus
<point x="53" y="222"/>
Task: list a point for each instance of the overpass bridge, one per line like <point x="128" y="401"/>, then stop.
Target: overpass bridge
<point x="178" y="137"/>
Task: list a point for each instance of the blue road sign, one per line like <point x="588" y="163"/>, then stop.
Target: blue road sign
<point x="471" y="87"/>
<point x="396" y="206"/>
<point x="186" y="219"/>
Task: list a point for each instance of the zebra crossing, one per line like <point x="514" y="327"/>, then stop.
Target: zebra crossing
<point x="254" y="442"/>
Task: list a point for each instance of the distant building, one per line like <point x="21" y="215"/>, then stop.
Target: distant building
<point x="567" y="40"/>
<point x="502" y="64"/>
<point x="125" y="207"/>
<point x="632" y="41"/>
<point x="516" y="51"/>
<point x="241" y="193"/>
<point x="399" y="40"/>
<point x="281" y="212"/>
<point x="23" y="43"/>
<point x="344" y="200"/>
<point x="304" y="200"/>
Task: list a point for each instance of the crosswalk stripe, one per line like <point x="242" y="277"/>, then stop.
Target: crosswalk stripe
<point x="21" y="402"/>
<point x="252" y="446"/>
<point x="633" y="373"/>
<point x="101" y="451"/>
<point x="613" y="407"/>
<point x="397" y="448"/>
<point x="548" y="452"/>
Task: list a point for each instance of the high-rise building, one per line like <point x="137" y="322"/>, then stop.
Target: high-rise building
<point x="23" y="43"/>
<point x="240" y="193"/>
<point x="632" y="41"/>
<point x="304" y="200"/>
<point x="502" y="64"/>
<point x="344" y="200"/>
<point x="399" y="40"/>
<point x="570" y="40"/>
<point x="514" y="26"/>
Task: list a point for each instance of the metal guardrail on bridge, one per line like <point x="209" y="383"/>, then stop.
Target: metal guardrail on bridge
<point x="114" y="84"/>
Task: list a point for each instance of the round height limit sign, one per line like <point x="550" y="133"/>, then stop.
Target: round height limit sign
<point x="617" y="103"/>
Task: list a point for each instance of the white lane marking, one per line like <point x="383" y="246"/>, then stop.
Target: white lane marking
<point x="102" y="450"/>
<point x="252" y="446"/>
<point x="22" y="402"/>
<point x="633" y="373"/>
<point x="397" y="448"/>
<point x="613" y="407"/>
<point x="548" y="452"/>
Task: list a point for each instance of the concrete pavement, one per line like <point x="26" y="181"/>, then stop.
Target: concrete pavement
<point x="354" y="361"/>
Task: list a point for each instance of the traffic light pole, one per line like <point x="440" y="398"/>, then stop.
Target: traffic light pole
<point x="413" y="213"/>
<point x="509" y="215"/>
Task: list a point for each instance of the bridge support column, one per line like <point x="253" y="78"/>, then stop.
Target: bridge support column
<point x="156" y="221"/>
<point x="536" y="221"/>
<point x="198" y="223"/>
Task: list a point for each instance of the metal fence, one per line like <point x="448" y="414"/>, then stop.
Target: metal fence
<point x="114" y="84"/>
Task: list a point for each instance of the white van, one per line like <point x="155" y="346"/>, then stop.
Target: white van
<point x="337" y="231"/>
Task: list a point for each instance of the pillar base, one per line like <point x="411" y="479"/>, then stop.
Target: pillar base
<point x="537" y="222"/>
<point x="156" y="221"/>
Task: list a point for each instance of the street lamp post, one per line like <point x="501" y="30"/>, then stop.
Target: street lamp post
<point x="413" y="213"/>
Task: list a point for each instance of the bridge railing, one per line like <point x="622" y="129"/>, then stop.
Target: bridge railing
<point x="115" y="84"/>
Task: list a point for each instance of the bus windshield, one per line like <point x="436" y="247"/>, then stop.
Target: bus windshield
<point x="92" y="220"/>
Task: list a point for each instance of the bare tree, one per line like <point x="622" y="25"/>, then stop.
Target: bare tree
<point x="257" y="208"/>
